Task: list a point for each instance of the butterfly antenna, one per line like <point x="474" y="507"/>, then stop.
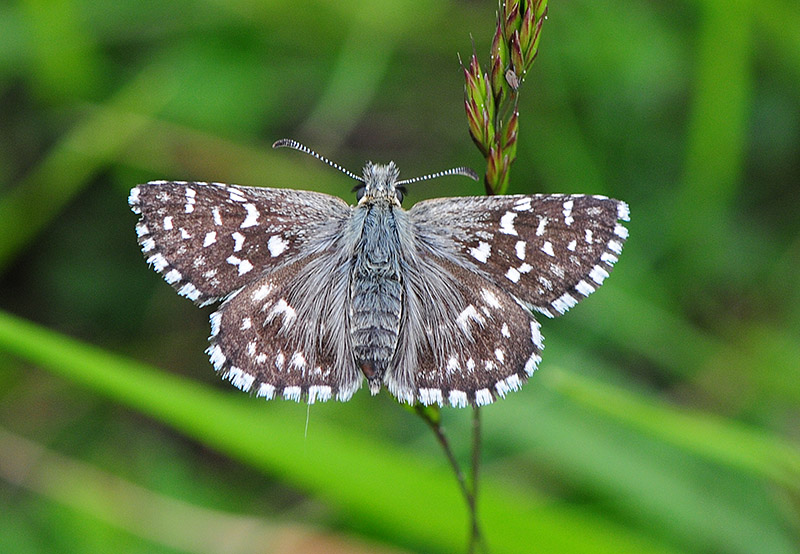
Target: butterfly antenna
<point x="291" y="143"/>
<point x="465" y="171"/>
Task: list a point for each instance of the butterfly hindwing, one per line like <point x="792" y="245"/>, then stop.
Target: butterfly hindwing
<point x="258" y="342"/>
<point x="549" y="251"/>
<point x="209" y="239"/>
<point x="494" y="345"/>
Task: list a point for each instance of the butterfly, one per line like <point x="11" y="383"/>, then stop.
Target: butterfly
<point x="435" y="303"/>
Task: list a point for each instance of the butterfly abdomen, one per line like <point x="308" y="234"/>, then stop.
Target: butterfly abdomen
<point x="376" y="295"/>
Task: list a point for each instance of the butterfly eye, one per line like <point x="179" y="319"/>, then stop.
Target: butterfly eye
<point x="360" y="191"/>
<point x="400" y="193"/>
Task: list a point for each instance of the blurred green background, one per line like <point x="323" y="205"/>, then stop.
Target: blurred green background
<point x="665" y="415"/>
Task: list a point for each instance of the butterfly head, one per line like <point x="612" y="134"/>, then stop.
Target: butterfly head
<point x="380" y="183"/>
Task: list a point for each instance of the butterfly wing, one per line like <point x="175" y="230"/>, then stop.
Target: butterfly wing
<point x="549" y="251"/>
<point x="210" y="239"/>
<point x="464" y="339"/>
<point x="274" y="338"/>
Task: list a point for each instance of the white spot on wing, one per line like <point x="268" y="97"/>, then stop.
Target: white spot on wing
<point x="469" y="314"/>
<point x="168" y="223"/>
<point x="239" y="378"/>
<point x="277" y="245"/>
<point x="292" y="393"/>
<point x="483" y="397"/>
<point x="458" y="399"/>
<point x="608" y="258"/>
<point x="238" y="241"/>
<point x="430" y="396"/>
<point x="319" y="392"/>
<point x="507" y="224"/>
<point x="564" y="302"/>
<point x="235" y="195"/>
<point x="158" y="262"/>
<point x="589" y="236"/>
<point x="523" y="205"/>
<point x="536" y="335"/>
<point x="598" y="274"/>
<point x="215" y="214"/>
<point x="252" y="216"/>
<point x="533" y="361"/>
<point x="557" y="270"/>
<point x="490" y="298"/>
<point x="547" y="248"/>
<point x="215" y="321"/>
<point x="216" y="356"/>
<point x="584" y="288"/>
<point x="282" y="307"/>
<point x="621" y="231"/>
<point x="262" y="292"/>
<point x="512" y="274"/>
<point x="298" y="360"/>
<point x="133" y="199"/>
<point x="266" y="390"/>
<point x="172" y="276"/>
<point x="190" y="198"/>
<point x="243" y="265"/>
<point x="541" y="226"/>
<point x="520" y="249"/>
<point x="211" y="238"/>
<point x="505" y="331"/>
<point x="623" y="212"/>
<point x="568" y="211"/>
<point x="482" y="252"/>
<point x="189" y="291"/>
<point x="572" y="245"/>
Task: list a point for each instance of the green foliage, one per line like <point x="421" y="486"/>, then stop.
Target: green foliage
<point x="663" y="416"/>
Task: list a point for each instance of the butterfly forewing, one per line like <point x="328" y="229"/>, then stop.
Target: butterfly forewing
<point x="209" y="239"/>
<point x="549" y="251"/>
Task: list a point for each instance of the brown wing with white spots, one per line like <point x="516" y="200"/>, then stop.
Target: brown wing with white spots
<point x="210" y="239"/>
<point x="550" y="251"/>
<point x="495" y="347"/>
<point x="463" y="340"/>
<point x="260" y="342"/>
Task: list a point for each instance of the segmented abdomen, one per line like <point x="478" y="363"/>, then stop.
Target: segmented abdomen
<point x="376" y="294"/>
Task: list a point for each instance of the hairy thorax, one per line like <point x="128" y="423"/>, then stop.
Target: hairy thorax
<point x="376" y="293"/>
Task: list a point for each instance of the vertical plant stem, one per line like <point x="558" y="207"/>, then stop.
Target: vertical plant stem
<point x="476" y="538"/>
<point x="431" y="416"/>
